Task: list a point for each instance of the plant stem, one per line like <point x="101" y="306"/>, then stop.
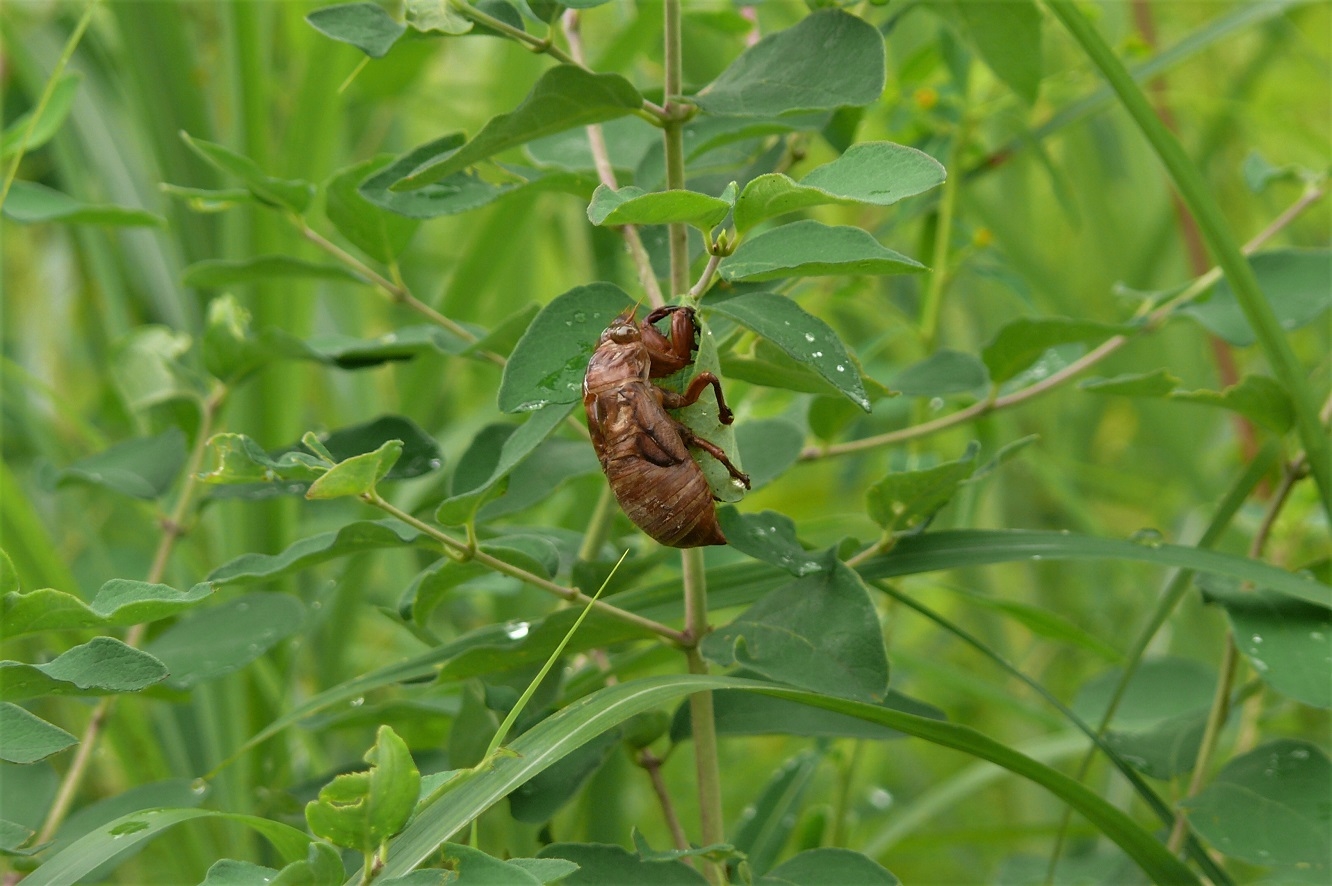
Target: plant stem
<point x="606" y="172"/>
<point x="40" y="108"/>
<point x="1216" y="718"/>
<point x="673" y="134"/>
<point x="536" y="44"/>
<point x="696" y="291"/>
<point x="932" y="305"/>
<point x="706" y="762"/>
<point x="173" y="527"/>
<point x="1202" y="205"/>
<point x="651" y="764"/>
<point x="572" y="595"/>
<point x="1154" y="321"/>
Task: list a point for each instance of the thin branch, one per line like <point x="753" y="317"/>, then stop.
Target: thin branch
<point x="571" y="595"/>
<point x="651" y="764"/>
<point x="533" y="42"/>
<point x="704" y="279"/>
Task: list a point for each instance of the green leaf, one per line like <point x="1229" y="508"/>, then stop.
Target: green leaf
<point x="1287" y="641"/>
<point x="517" y="446"/>
<point x="13" y="836"/>
<point x="208" y="200"/>
<point x="404" y="343"/>
<point x="1269" y="806"/>
<point x="768" y="821"/>
<point x="546" y="870"/>
<point x="800" y="334"/>
<point x="770" y="445"/>
<point x="540" y="798"/>
<point x="231" y="351"/>
<point x="746" y="713"/>
<point x="31" y="203"/>
<point x="293" y="194"/>
<point x="219" y="273"/>
<point x="627" y="139"/>
<point x="958" y="548"/>
<point x="363" y="535"/>
<point x="356" y="475"/>
<point x="533" y="480"/>
<point x="904" y="500"/>
<point x="875" y="173"/>
<point x="941" y="373"/>
<point x="829" y="866"/>
<point x="475" y="868"/>
<point x="770" y="537"/>
<point x="101" y="666"/>
<point x="819" y="632"/>
<point x="147" y="369"/>
<point x="566" y="96"/>
<point x="9" y="580"/>
<point x="790" y="71"/>
<point x="601" y="863"/>
<point x="437" y="16"/>
<point x="364" y="25"/>
<point x="238" y="459"/>
<point x="1043" y="623"/>
<point x="114" y="838"/>
<point x="26" y="738"/>
<point x="634" y="206"/>
<point x="1256" y="397"/>
<point x="1008" y="37"/>
<point x="118" y="602"/>
<point x="1021" y="342"/>
<point x="1157" y="383"/>
<point x="379" y="234"/>
<point x="230" y="872"/>
<point x="1295" y="282"/>
<point x="549" y="361"/>
<point x="362" y="810"/>
<point x="549" y="740"/>
<point x="811" y="249"/>
<point x="53" y="117"/>
<point x="143" y="467"/>
<point x="225" y="638"/>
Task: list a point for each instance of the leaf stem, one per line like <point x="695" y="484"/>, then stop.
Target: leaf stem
<point x="606" y="172"/>
<point x="572" y="595"/>
<point x="696" y="291"/>
<point x="533" y="42"/>
<point x="65" y="55"/>
<point x="1202" y="205"/>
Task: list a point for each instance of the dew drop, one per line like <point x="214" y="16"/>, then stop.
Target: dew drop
<point x="1299" y="754"/>
<point x="435" y="464"/>
<point x="1148" y="537"/>
<point x="517" y="630"/>
<point x="580" y="317"/>
<point x="1036" y="557"/>
<point x="817" y="354"/>
<point x="1316" y="636"/>
<point x="841" y="368"/>
<point x="199" y="787"/>
<point x="1255" y="639"/>
<point x="880" y="799"/>
<point x="809" y="337"/>
<point x="358" y="701"/>
<point x="936" y="403"/>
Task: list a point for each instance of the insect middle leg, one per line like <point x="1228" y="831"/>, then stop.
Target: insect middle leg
<point x="712" y="449"/>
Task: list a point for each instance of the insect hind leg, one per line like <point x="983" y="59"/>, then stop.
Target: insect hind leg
<point x="712" y="449"/>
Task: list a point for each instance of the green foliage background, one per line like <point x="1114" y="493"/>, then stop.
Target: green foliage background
<point x="1056" y="208"/>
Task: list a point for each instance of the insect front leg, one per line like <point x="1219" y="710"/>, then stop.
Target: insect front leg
<point x="691" y="394"/>
<point x="669" y="355"/>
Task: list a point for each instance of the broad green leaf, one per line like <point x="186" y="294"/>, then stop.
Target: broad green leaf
<point x="1295" y="281"/>
<point x="876" y="173"/>
<point x="230" y="872"/>
<point x="958" y="548"/>
<point x="517" y="446"/>
<point x="829" y="866"/>
<point x="770" y="366"/>
<point x="225" y="638"/>
<point x="26" y="738"/>
<point x="1287" y="641"/>
<point x="461" y="191"/>
<point x="238" y="459"/>
<point x="475" y="868"/>
<point x="818" y="632"/>
<point x="601" y="863"/>
<point x="13" y="836"/>
<point x="767" y="822"/>
<point x="362" y="810"/>
<point x="1159" y="723"/>
<point x="1042" y="622"/>
<point x="356" y="475"/>
<point x="364" y="25"/>
<point x="30" y="203"/>
<point x="546" y="870"/>
<point x="219" y="273"/>
<point x="112" y="839"/>
<point x="550" y="465"/>
<point x="548" y="363"/>
<point x="379" y="234"/>
<point x="147" y="368"/>
<point x="9" y="580"/>
<point x="1269" y="806"/>
<point x="1008" y="37"/>
<point x="404" y="343"/>
<point x="352" y="538"/>
<point x="437" y="16"/>
<point x="208" y="200"/>
<point x="634" y="206"/>
<point x="904" y="500"/>
<point x="566" y="96"/>
<point x="322" y="866"/>
<point x="941" y="373"/>
<point x="800" y="334"/>
<point x="1021" y="342"/>
<point x="118" y="602"/>
<point x="770" y="537"/>
<point x="811" y="249"/>
<point x="53" y="116"/>
<point x="627" y="139"/>
<point x="1157" y="383"/>
<point x="420" y="453"/>
<point x="770" y="445"/>
<point x="747" y="713"/>
<point x="828" y="60"/>
<point x="551" y="739"/>
<point x="143" y="467"/>
<point x="540" y="798"/>
<point x="1256" y="397"/>
<point x="293" y="194"/>
<point x="101" y="666"/>
<point x="231" y="350"/>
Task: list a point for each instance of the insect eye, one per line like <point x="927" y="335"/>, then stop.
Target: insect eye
<point x="622" y="334"/>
